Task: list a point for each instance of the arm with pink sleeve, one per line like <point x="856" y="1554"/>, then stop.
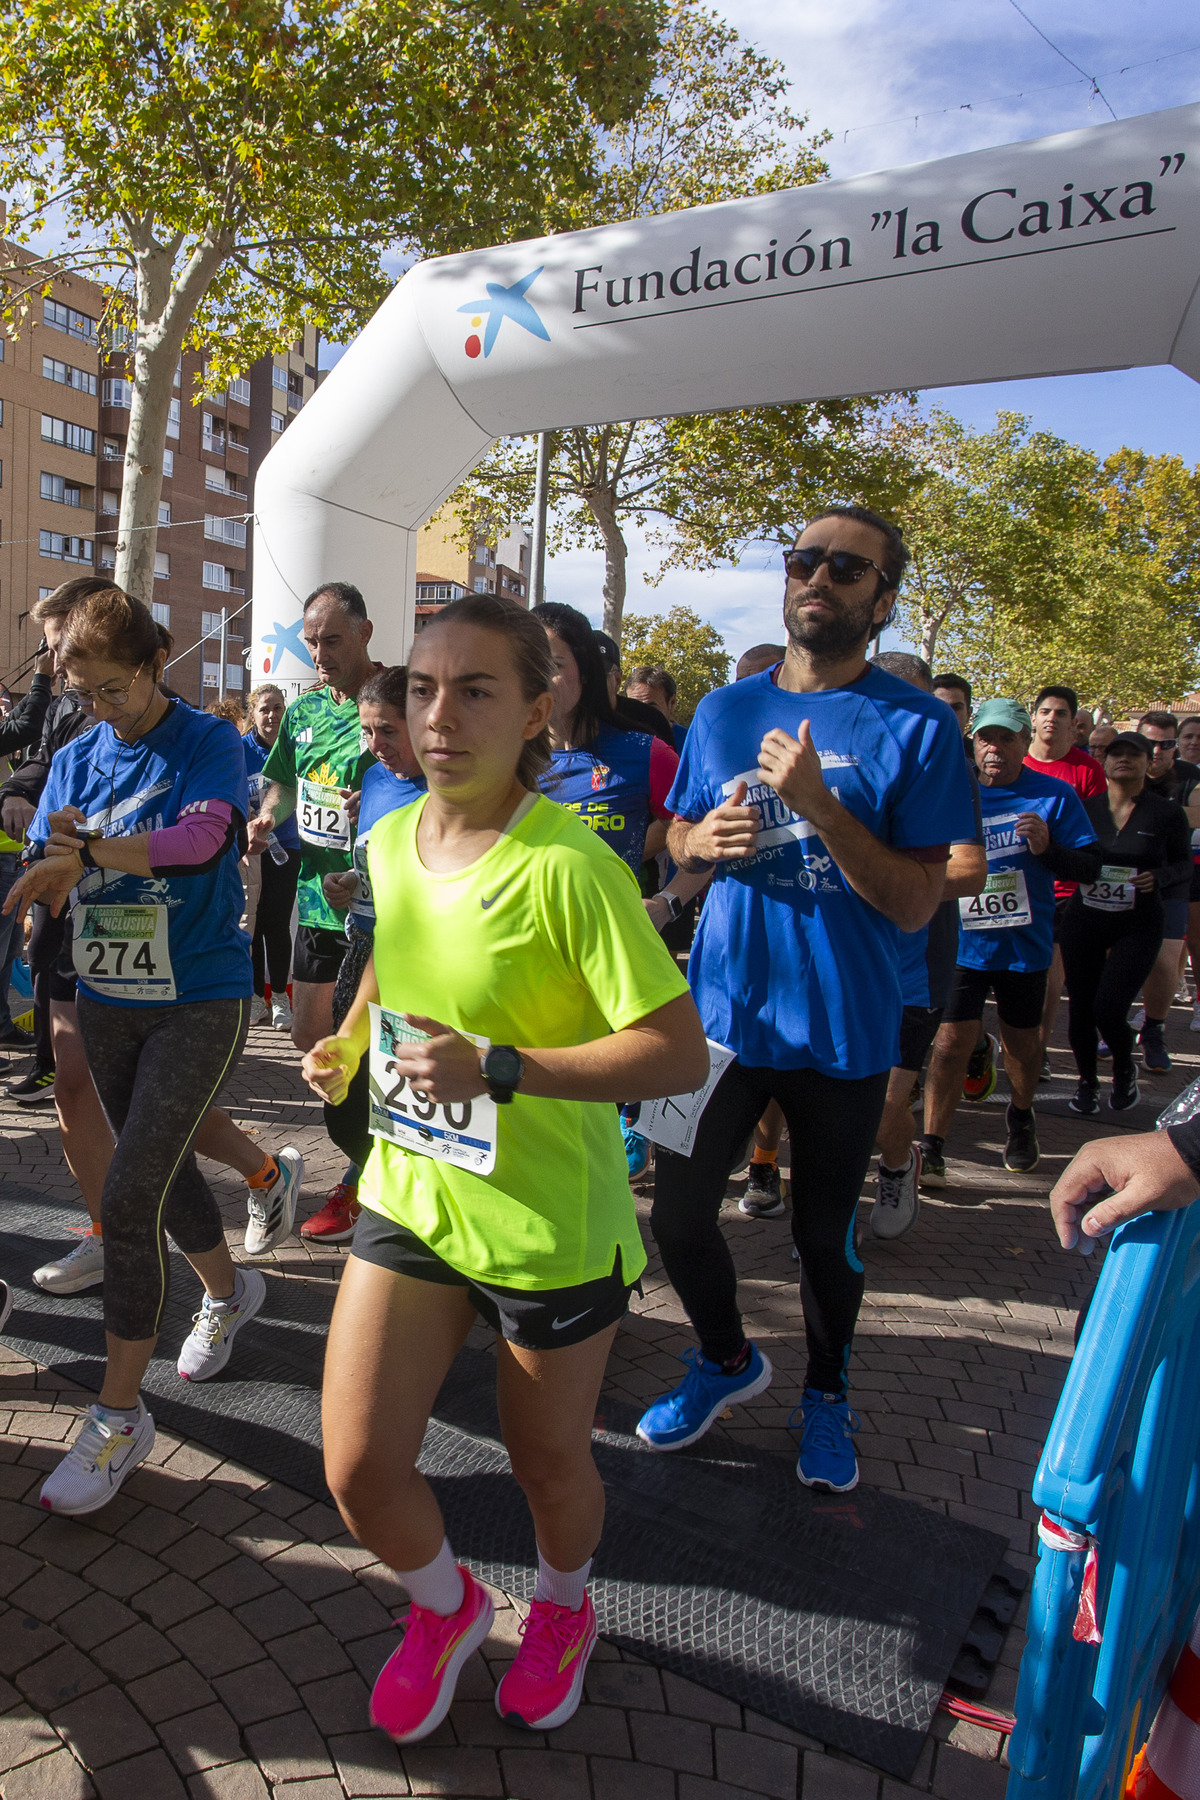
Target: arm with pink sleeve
<point x="197" y="842"/>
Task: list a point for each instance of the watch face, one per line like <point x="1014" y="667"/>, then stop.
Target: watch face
<point x="503" y="1066"/>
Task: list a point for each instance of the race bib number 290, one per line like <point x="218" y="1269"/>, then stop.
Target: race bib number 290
<point x="322" y="817"/>
<point x="459" y="1132"/>
<point x="123" y="952"/>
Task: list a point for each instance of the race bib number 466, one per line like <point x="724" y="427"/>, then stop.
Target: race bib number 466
<point x="322" y="817"/>
<point x="122" y="951"/>
<point x="1002" y="906"/>
<point x="461" y="1132"/>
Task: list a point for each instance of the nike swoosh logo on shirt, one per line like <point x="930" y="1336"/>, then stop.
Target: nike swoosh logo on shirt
<point x="486" y="902"/>
<point x="561" y="1324"/>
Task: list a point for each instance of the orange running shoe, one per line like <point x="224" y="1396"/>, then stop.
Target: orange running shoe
<point x="335" y="1222"/>
<point x="979" y="1082"/>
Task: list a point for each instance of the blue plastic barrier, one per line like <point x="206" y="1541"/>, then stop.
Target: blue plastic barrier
<point x="1120" y="1464"/>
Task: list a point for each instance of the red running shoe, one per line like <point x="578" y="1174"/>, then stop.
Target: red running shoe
<point x="335" y="1222"/>
<point x="416" y="1684"/>
<point x="544" y="1685"/>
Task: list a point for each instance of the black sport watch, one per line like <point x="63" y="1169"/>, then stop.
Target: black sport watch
<point x="503" y="1069"/>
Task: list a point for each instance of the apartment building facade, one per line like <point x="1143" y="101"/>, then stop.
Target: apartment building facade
<point x="490" y="563"/>
<point x="64" y="416"/>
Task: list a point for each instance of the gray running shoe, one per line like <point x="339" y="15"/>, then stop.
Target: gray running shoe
<point x="897" y="1202"/>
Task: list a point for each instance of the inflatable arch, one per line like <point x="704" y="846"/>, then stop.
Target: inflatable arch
<point x="1068" y="253"/>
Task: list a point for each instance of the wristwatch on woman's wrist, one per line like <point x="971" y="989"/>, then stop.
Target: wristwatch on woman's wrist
<point x="503" y="1068"/>
<point x="674" y="906"/>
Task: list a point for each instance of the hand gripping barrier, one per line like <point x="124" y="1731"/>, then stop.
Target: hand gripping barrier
<point x="1118" y="1576"/>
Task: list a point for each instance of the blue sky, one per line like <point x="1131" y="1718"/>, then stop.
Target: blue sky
<point x="969" y="76"/>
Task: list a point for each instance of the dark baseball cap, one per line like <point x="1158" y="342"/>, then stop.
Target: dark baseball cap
<point x="610" y="655"/>
<point x="1130" y="740"/>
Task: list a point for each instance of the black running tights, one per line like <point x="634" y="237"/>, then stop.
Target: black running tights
<point x="157" y="1071"/>
<point x="348" y="1123"/>
<point x="832" y="1126"/>
<point x="271" y="946"/>
<point x="1106" y="958"/>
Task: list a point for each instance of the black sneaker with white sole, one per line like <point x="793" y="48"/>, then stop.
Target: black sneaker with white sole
<point x="1086" y="1099"/>
<point x="1124" y="1089"/>
<point x="763" y="1198"/>
<point x="37" y="1088"/>
<point x="1021" y="1153"/>
<point x="933" y="1165"/>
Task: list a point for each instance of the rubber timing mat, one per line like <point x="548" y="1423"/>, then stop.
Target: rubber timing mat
<point x="839" y="1615"/>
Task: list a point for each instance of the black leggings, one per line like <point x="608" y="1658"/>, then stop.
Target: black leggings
<point x="157" y="1071"/>
<point x="1106" y="958"/>
<point x="347" y="1124"/>
<point x="832" y="1126"/>
<point x="272" y="940"/>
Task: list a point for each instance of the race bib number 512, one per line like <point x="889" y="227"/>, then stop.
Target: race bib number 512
<point x="459" y="1132"/>
<point x="322" y="817"/>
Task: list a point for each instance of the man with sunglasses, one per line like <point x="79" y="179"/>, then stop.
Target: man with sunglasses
<point x="824" y="793"/>
<point x="1174" y="779"/>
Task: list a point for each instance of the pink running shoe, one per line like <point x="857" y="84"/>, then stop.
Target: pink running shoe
<point x="543" y="1687"/>
<point x="414" y="1689"/>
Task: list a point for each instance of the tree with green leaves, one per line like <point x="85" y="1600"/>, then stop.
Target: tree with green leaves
<point x="1034" y="561"/>
<point x="235" y="170"/>
<point x="715" y="126"/>
<point x="680" y="642"/>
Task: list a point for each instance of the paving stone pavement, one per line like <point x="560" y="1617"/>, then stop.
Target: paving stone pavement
<point x="213" y="1634"/>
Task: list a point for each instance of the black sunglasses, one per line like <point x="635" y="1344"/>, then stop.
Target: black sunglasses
<point x="844" y="566"/>
<point x="1158" y="744"/>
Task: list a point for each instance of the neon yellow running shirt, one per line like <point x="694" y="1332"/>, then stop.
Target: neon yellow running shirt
<point x="543" y="942"/>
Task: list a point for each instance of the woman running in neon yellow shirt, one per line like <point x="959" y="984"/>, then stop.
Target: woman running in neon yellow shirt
<point x="497" y="1185"/>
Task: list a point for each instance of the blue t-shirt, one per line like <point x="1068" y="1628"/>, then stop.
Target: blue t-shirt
<point x="154" y="940"/>
<point x="927" y="956"/>
<point x="1019" y="886"/>
<point x="791" y="968"/>
<point x="608" y="785"/>
<point x="382" y="792"/>
<point x="256" y="754"/>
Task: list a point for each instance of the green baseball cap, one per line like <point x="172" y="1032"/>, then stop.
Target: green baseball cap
<point x="1008" y="713"/>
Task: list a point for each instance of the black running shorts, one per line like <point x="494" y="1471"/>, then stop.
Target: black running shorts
<point x="546" y="1320"/>
<point x="317" y="954"/>
<point x="1020" y="996"/>
<point x="918" y="1028"/>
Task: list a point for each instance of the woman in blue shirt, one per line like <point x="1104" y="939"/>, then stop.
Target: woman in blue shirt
<point x="139" y="824"/>
<point x="271" y="941"/>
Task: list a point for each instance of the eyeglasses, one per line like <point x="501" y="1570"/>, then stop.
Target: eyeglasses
<point x="111" y="696"/>
<point x="844" y="566"/>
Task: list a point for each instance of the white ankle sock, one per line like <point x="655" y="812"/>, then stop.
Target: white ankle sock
<point x="564" y="1588"/>
<point x="439" y="1585"/>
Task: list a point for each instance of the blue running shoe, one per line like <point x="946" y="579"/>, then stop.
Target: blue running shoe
<point x="826" y="1447"/>
<point x="637" y="1150"/>
<point x="687" y="1412"/>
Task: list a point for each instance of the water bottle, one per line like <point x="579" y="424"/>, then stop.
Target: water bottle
<point x="278" y="853"/>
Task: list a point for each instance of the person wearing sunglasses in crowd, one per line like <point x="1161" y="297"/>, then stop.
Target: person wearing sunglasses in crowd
<point x="825" y="795"/>
<point x="1171" y="778"/>
<point x="1113" y="926"/>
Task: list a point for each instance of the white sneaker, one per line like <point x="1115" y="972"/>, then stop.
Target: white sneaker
<point x="82" y="1267"/>
<point x="258" y="1010"/>
<point x="897" y="1203"/>
<point x="281" y="1014"/>
<point x="104" y="1453"/>
<point x="207" y="1347"/>
<point x="273" y="1209"/>
<point x="1138" y="1019"/>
